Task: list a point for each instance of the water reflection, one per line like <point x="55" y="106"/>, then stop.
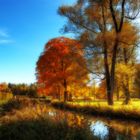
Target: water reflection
<point x="99" y="128"/>
<point x="51" y="114"/>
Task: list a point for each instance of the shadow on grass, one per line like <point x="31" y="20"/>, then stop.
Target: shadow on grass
<point x="43" y="130"/>
<point x="9" y="106"/>
<point x="15" y="104"/>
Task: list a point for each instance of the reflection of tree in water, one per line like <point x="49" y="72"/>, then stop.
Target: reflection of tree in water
<point x="112" y="135"/>
<point x="138" y="135"/>
<point x="71" y="119"/>
<point x="105" y="132"/>
<point x="125" y="130"/>
<point x="104" y="129"/>
<point x="74" y="120"/>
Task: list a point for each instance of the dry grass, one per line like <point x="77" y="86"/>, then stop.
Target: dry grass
<point x="30" y="121"/>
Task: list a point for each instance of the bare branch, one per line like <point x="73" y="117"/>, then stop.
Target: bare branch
<point x="134" y="17"/>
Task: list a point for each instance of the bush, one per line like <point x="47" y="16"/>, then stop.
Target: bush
<point x="6" y="96"/>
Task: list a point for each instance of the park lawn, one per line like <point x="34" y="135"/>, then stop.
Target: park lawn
<point x="118" y="110"/>
<point x="134" y="104"/>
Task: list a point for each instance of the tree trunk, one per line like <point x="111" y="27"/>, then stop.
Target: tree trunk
<point x="126" y="82"/>
<point x="59" y="94"/>
<point x="126" y="91"/>
<point x="110" y="97"/>
<point x="65" y="91"/>
<point x="70" y="97"/>
<point x="113" y="66"/>
<point x="118" y="29"/>
<point x="127" y="96"/>
<point x="110" y="76"/>
<point x="117" y="93"/>
<point x="106" y="65"/>
<point x="107" y="77"/>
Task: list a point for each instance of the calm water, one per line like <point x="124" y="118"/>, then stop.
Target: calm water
<point x="99" y="128"/>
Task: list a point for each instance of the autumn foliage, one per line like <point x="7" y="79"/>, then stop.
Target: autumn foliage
<point x="61" y="64"/>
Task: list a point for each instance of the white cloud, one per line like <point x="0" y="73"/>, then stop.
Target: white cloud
<point x="5" y="37"/>
<point x="4" y="33"/>
<point x="6" y="41"/>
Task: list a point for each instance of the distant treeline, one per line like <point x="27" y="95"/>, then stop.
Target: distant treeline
<point x="19" y="89"/>
<point x="23" y="89"/>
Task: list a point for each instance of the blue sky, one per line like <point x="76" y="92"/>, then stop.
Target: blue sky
<point x="25" y="26"/>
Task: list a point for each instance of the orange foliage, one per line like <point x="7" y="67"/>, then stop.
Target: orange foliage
<point x="60" y="65"/>
<point x="102" y="90"/>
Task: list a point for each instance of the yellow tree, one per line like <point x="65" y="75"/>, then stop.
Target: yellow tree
<point x="126" y="58"/>
<point x="125" y="77"/>
<point x="137" y="80"/>
<point x="5" y="92"/>
<point x="100" y="25"/>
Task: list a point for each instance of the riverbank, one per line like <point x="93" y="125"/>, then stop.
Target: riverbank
<point x="122" y="112"/>
<point x="26" y="119"/>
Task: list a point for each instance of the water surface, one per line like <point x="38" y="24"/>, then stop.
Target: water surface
<point x="99" y="128"/>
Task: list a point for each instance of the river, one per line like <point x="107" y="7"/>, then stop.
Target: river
<point x="101" y="128"/>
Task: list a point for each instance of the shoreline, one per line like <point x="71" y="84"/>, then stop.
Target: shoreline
<point x="107" y="112"/>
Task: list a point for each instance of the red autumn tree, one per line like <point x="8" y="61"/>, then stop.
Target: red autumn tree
<point x="61" y="64"/>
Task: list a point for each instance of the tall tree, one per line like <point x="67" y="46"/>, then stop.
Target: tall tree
<point x="120" y="12"/>
<point x="60" y="64"/>
<point x="100" y="25"/>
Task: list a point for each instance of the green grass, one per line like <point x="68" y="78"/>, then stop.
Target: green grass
<point x="118" y="110"/>
<point x="134" y="104"/>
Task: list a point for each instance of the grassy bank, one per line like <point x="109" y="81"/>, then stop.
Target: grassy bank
<point x="118" y="111"/>
<point x="29" y="120"/>
<point x="42" y="129"/>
